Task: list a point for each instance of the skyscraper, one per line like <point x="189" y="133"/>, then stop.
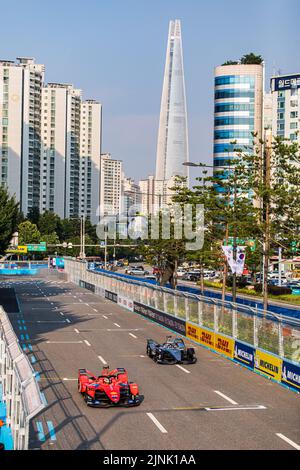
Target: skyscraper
<point x="20" y="129"/>
<point x="172" y="143"/>
<point x="238" y="110"/>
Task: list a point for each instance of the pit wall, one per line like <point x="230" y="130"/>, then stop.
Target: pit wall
<point x="236" y="332"/>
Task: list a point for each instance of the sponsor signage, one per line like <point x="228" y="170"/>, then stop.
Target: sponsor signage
<point x="290" y="375"/>
<point x="285" y="83"/>
<point x="268" y="364"/>
<point x="175" y="324"/>
<point x="224" y="345"/>
<point x="18" y="250"/>
<point x="111" y="296"/>
<point x="201" y="335"/>
<point x="125" y="302"/>
<point x="86" y="285"/>
<point x="244" y="354"/>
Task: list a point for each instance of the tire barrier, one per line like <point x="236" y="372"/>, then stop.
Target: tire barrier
<point x="20" y="391"/>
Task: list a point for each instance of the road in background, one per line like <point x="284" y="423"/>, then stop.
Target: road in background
<point x="213" y="404"/>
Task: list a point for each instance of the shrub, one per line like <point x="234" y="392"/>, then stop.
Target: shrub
<point x="274" y="290"/>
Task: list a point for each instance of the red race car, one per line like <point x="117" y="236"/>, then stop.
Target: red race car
<point x="111" y="388"/>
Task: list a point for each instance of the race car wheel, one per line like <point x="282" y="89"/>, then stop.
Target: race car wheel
<point x="79" y="387"/>
<point x="148" y="351"/>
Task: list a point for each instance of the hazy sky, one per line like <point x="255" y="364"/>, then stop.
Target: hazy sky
<point x="114" y="50"/>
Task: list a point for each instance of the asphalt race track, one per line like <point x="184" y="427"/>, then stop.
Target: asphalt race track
<point x="213" y="404"/>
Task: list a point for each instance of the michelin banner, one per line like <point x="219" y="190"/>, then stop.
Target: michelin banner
<point x="290" y="375"/>
<point x="244" y="354"/>
<point x="268" y="364"/>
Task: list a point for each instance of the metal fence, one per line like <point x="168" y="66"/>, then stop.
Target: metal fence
<point x="20" y="389"/>
<point x="272" y="332"/>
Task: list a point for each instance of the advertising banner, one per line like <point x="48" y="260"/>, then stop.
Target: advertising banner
<point x="125" y="302"/>
<point x="244" y="354"/>
<point x="268" y="364"/>
<point x="111" y="296"/>
<point x="175" y="324"/>
<point x="291" y="375"/>
<point x="100" y="291"/>
<point x="224" y="345"/>
<point x="201" y="335"/>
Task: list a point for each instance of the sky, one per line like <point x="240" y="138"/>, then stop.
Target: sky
<point x="114" y="50"/>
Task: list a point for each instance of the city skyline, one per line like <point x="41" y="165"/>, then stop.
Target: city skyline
<point x="131" y="100"/>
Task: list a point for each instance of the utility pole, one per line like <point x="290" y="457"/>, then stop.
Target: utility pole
<point x="225" y="266"/>
<point x="105" y="248"/>
<point x="234" y="236"/>
<point x="279" y="265"/>
<point x="266" y="214"/>
<point x="82" y="237"/>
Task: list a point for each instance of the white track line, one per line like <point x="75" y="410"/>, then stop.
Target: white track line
<point x="182" y="368"/>
<point x="286" y="439"/>
<point x="68" y="321"/>
<point x="226" y="397"/>
<point x="62" y="314"/>
<point x="131" y="334"/>
<point x="95" y="310"/>
<point x="87" y="343"/>
<point x="238" y="408"/>
<point x="76" y="331"/>
<point x="105" y="317"/>
<point x="102" y="360"/>
<point x="117" y="325"/>
<point x="157" y="423"/>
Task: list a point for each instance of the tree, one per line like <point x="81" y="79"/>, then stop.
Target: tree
<point x="48" y="223"/>
<point x="251" y="58"/>
<point x="9" y="218"/>
<point x="230" y="62"/>
<point x="28" y="233"/>
<point x="33" y="215"/>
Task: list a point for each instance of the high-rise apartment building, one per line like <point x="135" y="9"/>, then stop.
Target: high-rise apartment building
<point x="90" y="160"/>
<point x="60" y="149"/>
<point x="110" y="185"/>
<point x="131" y="196"/>
<point x="20" y="129"/>
<point x="147" y="192"/>
<point x="238" y="110"/>
<point x="285" y="90"/>
<point x="172" y="143"/>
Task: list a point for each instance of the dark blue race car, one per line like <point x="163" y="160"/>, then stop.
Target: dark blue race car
<point x="173" y="351"/>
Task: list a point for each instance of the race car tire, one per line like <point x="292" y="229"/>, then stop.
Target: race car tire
<point x="79" y="387"/>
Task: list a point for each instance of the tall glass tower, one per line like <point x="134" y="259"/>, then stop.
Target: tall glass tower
<point x="238" y="111"/>
<point x="172" y="143"/>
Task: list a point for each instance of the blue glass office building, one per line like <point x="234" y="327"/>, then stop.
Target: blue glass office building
<point x="238" y="111"/>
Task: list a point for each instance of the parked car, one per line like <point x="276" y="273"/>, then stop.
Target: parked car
<point x="191" y="276"/>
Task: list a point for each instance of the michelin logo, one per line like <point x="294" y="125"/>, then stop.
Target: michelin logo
<point x="288" y="375"/>
<point x="240" y="353"/>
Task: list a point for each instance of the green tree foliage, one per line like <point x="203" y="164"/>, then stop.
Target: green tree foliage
<point x="230" y="62"/>
<point x="28" y="233"/>
<point x="48" y="223"/>
<point x="251" y="58"/>
<point x="33" y="215"/>
<point x="9" y="218"/>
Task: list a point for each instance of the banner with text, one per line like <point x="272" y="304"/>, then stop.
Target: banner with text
<point x="268" y="364"/>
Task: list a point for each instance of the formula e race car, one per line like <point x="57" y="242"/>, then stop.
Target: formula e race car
<point x="111" y="388"/>
<point x="173" y="351"/>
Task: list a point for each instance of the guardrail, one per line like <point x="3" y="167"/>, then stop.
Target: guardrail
<point x="267" y="343"/>
<point x="20" y="390"/>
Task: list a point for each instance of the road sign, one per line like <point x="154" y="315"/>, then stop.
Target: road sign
<point x="38" y="247"/>
<point x="242" y="241"/>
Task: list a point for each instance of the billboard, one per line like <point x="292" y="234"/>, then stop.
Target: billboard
<point x="111" y="296"/>
<point x="175" y="324"/>
<point x="290" y="375"/>
<point x="285" y="83"/>
<point x="224" y="345"/>
<point x="201" y="335"/>
<point x="125" y="302"/>
<point x="268" y="364"/>
<point x="244" y="354"/>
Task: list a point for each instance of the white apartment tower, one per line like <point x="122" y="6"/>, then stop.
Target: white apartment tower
<point x="20" y="129"/>
<point x="172" y="142"/>
<point x="90" y="160"/>
<point x="285" y="90"/>
<point x="61" y="106"/>
<point x="110" y="185"/>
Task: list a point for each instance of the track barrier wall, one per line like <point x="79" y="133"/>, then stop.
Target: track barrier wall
<point x="20" y="391"/>
<point x="266" y="343"/>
